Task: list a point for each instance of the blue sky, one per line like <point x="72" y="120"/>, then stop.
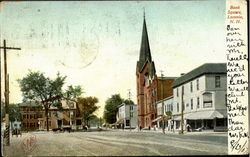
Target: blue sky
<point x="96" y="44"/>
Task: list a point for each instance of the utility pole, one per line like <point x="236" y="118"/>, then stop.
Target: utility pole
<point x="129" y="98"/>
<point x="182" y="108"/>
<point x="163" y="121"/>
<point x="5" y="48"/>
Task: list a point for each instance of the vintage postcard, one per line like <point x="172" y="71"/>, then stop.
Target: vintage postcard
<point x="124" y="78"/>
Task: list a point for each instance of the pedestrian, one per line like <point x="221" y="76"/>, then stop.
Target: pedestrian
<point x="188" y="128"/>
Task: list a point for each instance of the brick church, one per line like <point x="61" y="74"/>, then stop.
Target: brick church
<point x="150" y="88"/>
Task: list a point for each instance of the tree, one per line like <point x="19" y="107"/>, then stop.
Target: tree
<point x="86" y="106"/>
<point x="111" y="108"/>
<point x="45" y="91"/>
<point x="96" y="121"/>
<point x="129" y="102"/>
<point x="14" y="113"/>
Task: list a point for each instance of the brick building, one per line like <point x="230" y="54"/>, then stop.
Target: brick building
<point x="30" y="112"/>
<point x="33" y="117"/>
<point x="150" y="88"/>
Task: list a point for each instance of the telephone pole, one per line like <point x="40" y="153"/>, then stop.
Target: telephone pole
<point x="129" y="98"/>
<point x="163" y="121"/>
<point x="182" y="109"/>
<point x="6" y="93"/>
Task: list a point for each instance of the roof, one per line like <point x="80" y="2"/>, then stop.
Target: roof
<point x="29" y="104"/>
<point x="152" y="70"/>
<point x="207" y="68"/>
<point x="166" y="78"/>
<point x="167" y="98"/>
<point x="145" y="53"/>
<point x="123" y="104"/>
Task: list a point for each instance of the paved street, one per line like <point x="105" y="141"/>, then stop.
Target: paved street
<point x="117" y="143"/>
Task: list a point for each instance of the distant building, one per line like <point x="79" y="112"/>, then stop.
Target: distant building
<point x="30" y="112"/>
<point x="150" y="88"/>
<point x="126" y="113"/>
<point x="15" y="125"/>
<point x="59" y="118"/>
<point x="33" y="116"/>
<point x="202" y="92"/>
<point x="164" y="106"/>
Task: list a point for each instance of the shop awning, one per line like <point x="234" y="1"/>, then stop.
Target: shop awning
<point x="119" y="121"/>
<point x="160" y="118"/>
<point x="206" y="115"/>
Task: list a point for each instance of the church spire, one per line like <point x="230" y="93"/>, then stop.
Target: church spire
<point x="145" y="53"/>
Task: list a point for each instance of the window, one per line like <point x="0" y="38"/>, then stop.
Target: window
<point x="131" y="107"/>
<point x="24" y="116"/>
<point x="78" y="122"/>
<point x="191" y="86"/>
<point x="198" y="102"/>
<point x="191" y="104"/>
<point x="177" y="107"/>
<point x="197" y="84"/>
<point x="207" y="100"/>
<point x="127" y="122"/>
<point x="131" y="114"/>
<point x="183" y="90"/>
<point x="177" y="92"/>
<point x="171" y="107"/>
<point x="217" y="81"/>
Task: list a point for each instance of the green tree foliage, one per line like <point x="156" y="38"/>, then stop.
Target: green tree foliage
<point x="95" y="121"/>
<point x="111" y="108"/>
<point x="169" y="113"/>
<point x="128" y="102"/>
<point x="14" y="113"/>
<point x="86" y="106"/>
<point x="48" y="92"/>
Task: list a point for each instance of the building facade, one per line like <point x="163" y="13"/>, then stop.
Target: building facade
<point x="33" y="116"/>
<point x="30" y="112"/>
<point x="165" y="108"/>
<point x="202" y="94"/>
<point x="126" y="116"/>
<point x="60" y="118"/>
<point x="150" y="88"/>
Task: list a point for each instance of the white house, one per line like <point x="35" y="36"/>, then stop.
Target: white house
<point x="15" y="125"/>
<point x="167" y="106"/>
<point x="202" y="92"/>
<point x="126" y="113"/>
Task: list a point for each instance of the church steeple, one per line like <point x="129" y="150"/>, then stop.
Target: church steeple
<point x="145" y="53"/>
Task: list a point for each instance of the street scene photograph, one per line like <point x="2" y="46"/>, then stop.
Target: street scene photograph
<point x="113" y="78"/>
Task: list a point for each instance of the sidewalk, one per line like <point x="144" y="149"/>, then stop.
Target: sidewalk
<point x="207" y="132"/>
